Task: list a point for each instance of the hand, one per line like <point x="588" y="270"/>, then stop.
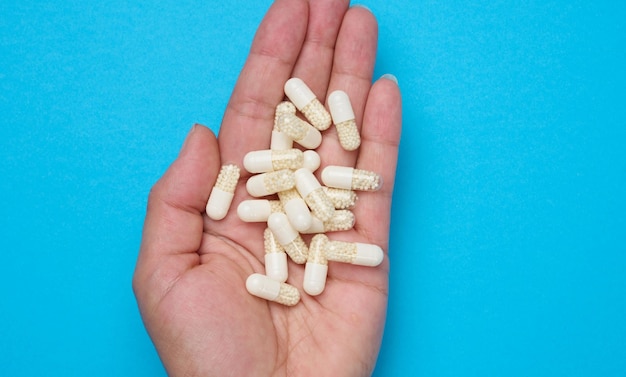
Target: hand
<point x="191" y="271"/>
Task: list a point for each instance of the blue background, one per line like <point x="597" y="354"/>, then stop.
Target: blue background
<point x="508" y="242"/>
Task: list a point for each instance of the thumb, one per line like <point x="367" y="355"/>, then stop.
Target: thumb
<point x="173" y="226"/>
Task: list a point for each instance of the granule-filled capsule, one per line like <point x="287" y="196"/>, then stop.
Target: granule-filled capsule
<point x="258" y="210"/>
<point x="361" y="254"/>
<point x="270" y="160"/>
<point x="341" y="198"/>
<point x="316" y="268"/>
<point x="279" y="140"/>
<point x="270" y="183"/>
<point x="311" y="160"/>
<point x="342" y="219"/>
<point x="344" y="120"/>
<point x="223" y="191"/>
<point x="299" y="131"/>
<point x="296" y="209"/>
<point x="313" y="194"/>
<point x="275" y="257"/>
<point x="351" y="179"/>
<point x="304" y="99"/>
<point x="264" y="287"/>
<point x="288" y="237"/>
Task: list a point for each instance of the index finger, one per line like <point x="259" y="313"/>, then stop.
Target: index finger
<point x="249" y="115"/>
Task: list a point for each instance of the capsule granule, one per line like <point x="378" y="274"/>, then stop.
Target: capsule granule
<point x="316" y="268"/>
<point x="305" y="101"/>
<point x="284" y="107"/>
<point x="346" y="177"/>
<point x="344" y="120"/>
<point x="223" y="191"/>
<point x="354" y="252"/>
<point x="270" y="183"/>
<point x="342" y="219"/>
<point x="299" y="131"/>
<point x="275" y="257"/>
<point x="272" y="290"/>
<point x="341" y="198"/>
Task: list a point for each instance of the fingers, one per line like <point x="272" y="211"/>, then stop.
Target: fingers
<point x="316" y="57"/>
<point x="173" y="225"/>
<point x="248" y="119"/>
<point x="382" y="123"/>
<point x="353" y="66"/>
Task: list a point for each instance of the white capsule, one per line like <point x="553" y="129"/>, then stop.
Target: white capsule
<point x="310" y="189"/>
<point x="257" y="210"/>
<point x="361" y="254"/>
<point x="270" y="183"/>
<point x="272" y="290"/>
<point x="275" y="257"/>
<point x="342" y="219"/>
<point x="296" y="209"/>
<point x="280" y="141"/>
<point x="316" y="268"/>
<point x="311" y="159"/>
<point x="344" y="120"/>
<point x="299" y="131"/>
<point x="288" y="237"/>
<point x="270" y="160"/>
<point x="223" y="191"/>
<point x="348" y="178"/>
<point x="305" y="100"/>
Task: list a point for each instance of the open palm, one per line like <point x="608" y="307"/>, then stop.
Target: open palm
<point x="191" y="271"/>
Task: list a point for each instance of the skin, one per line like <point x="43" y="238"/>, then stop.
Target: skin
<point x="190" y="275"/>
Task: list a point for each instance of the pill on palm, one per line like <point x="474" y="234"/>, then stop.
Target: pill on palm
<point x="267" y="160"/>
<point x="349" y="178"/>
<point x="275" y="257"/>
<point x="223" y="191"/>
<point x="344" y="120"/>
<point x="310" y="189"/>
<point x="264" y="287"/>
<point x="258" y="210"/>
<point x="305" y="100"/>
<point x="361" y="254"/>
<point x="270" y="183"/>
<point x="316" y="268"/>
<point x="299" y="131"/>
<point x="288" y="237"/>
<point x="296" y="209"/>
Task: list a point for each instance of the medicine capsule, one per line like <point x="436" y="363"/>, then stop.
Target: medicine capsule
<point x="342" y="219"/>
<point x="304" y="99"/>
<point x="258" y="210"/>
<point x="279" y="140"/>
<point x="341" y="198"/>
<point x="351" y="179"/>
<point x="270" y="183"/>
<point x="299" y="131"/>
<point x="296" y="209"/>
<point x="288" y="237"/>
<point x="223" y="191"/>
<point x="361" y="254"/>
<point x="316" y="268"/>
<point x="275" y="257"/>
<point x="271" y="160"/>
<point x="344" y="120"/>
<point x="272" y="290"/>
<point x="313" y="194"/>
<point x="311" y="160"/>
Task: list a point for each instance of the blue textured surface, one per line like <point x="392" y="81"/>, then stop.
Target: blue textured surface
<point x="509" y="227"/>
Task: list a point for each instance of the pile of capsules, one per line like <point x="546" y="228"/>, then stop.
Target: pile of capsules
<point x="303" y="206"/>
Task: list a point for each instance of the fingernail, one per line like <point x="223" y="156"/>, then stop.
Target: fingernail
<point x="193" y="128"/>
<point x="362" y="6"/>
<point x="391" y="77"/>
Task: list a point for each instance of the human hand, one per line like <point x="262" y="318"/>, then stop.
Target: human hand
<point x="191" y="271"/>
